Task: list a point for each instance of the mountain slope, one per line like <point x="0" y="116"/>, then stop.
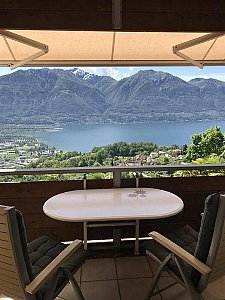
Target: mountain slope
<point x="55" y="95"/>
<point x="103" y="83"/>
<point x="212" y="91"/>
<point x="58" y="96"/>
<point x="151" y="93"/>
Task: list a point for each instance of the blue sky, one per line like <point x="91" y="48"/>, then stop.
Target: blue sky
<point x="186" y="73"/>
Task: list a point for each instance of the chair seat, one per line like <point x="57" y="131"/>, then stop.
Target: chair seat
<point x="43" y="250"/>
<point x="185" y="237"/>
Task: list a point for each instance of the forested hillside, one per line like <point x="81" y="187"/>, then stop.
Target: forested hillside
<point x="58" y="96"/>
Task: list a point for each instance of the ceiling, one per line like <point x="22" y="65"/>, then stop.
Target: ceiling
<point x="112" y="33"/>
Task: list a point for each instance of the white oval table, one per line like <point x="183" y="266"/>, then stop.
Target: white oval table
<point x="118" y="204"/>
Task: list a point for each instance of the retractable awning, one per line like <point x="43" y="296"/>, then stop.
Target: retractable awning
<point x="105" y="48"/>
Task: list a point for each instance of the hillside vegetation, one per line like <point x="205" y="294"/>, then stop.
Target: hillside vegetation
<point x="206" y="148"/>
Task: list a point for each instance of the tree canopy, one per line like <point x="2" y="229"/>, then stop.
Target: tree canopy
<point x="205" y="144"/>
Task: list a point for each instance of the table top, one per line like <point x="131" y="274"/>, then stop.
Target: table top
<point x="112" y="204"/>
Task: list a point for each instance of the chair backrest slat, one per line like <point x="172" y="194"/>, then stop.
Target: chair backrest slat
<point x="5" y="245"/>
<point x="2" y="219"/>
<point x="8" y="279"/>
<point x="7" y="266"/>
<point x="218" y="268"/>
<point x="13" y="287"/>
<point x="215" y="275"/>
<point x="6" y="259"/>
<point x="12" y="294"/>
<point x="11" y="282"/>
<point x="216" y="256"/>
<point x="3" y="228"/>
<point x="4" y="236"/>
<point x="8" y="273"/>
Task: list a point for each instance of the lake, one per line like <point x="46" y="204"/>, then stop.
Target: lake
<point x="83" y="138"/>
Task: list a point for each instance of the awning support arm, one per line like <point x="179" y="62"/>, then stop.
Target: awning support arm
<point x="202" y="39"/>
<point x="21" y="39"/>
<point x="189" y="59"/>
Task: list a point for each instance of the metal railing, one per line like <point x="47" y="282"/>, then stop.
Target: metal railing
<point x="115" y="170"/>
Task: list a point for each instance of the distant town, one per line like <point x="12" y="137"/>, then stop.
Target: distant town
<point x="22" y="153"/>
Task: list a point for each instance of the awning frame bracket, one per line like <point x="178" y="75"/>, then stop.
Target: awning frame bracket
<point x="117" y="14"/>
<point x="29" y="42"/>
<point x="191" y="43"/>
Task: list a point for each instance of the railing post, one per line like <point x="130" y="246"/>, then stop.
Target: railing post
<point x="116" y="179"/>
<point x="137" y="180"/>
<point x="85" y="182"/>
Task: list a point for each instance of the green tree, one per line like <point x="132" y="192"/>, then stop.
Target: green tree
<point x="184" y="149"/>
<point x="204" y="144"/>
<point x="101" y="155"/>
<point x="213" y="141"/>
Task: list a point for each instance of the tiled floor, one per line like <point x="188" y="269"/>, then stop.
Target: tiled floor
<point x="128" y="278"/>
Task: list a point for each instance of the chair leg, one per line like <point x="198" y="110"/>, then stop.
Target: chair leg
<point x="49" y="294"/>
<point x="156" y="277"/>
<point x="30" y="296"/>
<point x="194" y="294"/>
<point x="74" y="283"/>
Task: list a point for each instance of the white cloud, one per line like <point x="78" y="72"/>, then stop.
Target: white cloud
<point x="105" y="71"/>
<point x="114" y="72"/>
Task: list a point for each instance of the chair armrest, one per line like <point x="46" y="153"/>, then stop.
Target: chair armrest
<point x="183" y="254"/>
<point x="45" y="274"/>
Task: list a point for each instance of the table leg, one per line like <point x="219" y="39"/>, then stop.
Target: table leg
<point x="85" y="235"/>
<point x="116" y="238"/>
<point x="136" y="249"/>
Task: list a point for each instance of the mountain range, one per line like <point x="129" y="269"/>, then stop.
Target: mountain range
<point x="62" y="96"/>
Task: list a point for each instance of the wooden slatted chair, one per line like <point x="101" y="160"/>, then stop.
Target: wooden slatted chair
<point x="38" y="270"/>
<point x="193" y="259"/>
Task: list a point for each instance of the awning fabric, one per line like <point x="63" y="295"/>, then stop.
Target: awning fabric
<point x="96" y="48"/>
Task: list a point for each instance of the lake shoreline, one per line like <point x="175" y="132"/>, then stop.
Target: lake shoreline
<point x="83" y="138"/>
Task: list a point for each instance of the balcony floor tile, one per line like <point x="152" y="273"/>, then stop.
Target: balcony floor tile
<point x="99" y="269"/>
<point x="132" y="267"/>
<point x="135" y="289"/>
<point x="100" y="290"/>
<point x="176" y="292"/>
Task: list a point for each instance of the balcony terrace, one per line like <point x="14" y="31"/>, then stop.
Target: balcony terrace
<point x="114" y="277"/>
<point x="111" y="274"/>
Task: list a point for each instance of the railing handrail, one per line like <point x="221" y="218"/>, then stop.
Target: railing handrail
<point x="108" y="169"/>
